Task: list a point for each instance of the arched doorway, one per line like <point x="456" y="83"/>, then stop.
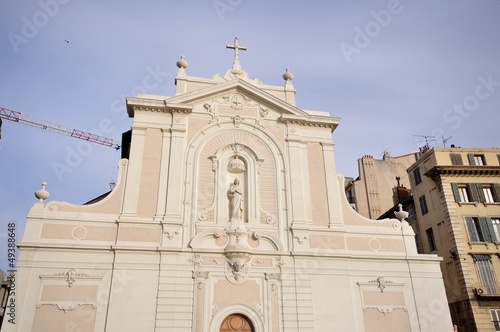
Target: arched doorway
<point x="236" y="322"/>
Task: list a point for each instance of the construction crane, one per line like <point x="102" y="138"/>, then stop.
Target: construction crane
<point x="54" y="127"/>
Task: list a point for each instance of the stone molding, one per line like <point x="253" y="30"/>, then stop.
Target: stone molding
<point x="70" y="278"/>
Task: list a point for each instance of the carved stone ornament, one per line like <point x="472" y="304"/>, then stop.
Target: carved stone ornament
<point x="237" y="121"/>
<point x="71" y="278"/>
<point x="385" y="304"/>
<point x="42" y="194"/>
<point x="236" y="165"/>
<point x="263" y="113"/>
<point x="401" y="214"/>
<point x="206" y="215"/>
<point x="237" y="252"/>
<point x="273" y="280"/>
<point x="170" y="234"/>
<point x="237" y="101"/>
<point x="200" y="278"/>
<point x="196" y="260"/>
<point x="266" y="218"/>
<point x="381" y="283"/>
<point x="300" y="239"/>
<point x="211" y="112"/>
<point x="278" y="262"/>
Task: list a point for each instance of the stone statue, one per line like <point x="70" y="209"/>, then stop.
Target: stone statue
<point x="235" y="200"/>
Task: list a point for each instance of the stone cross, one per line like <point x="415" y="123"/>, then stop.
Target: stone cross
<point x="236" y="47"/>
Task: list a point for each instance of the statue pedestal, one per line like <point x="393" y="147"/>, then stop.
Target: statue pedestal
<point x="238" y="252"/>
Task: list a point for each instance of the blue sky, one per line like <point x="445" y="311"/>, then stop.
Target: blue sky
<point x="391" y="70"/>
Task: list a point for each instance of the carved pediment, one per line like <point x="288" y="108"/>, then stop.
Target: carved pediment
<point x="237" y="93"/>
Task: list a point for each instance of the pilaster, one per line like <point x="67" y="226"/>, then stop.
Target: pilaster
<point x="299" y="181"/>
<point x="332" y="185"/>
<point x="131" y="192"/>
<point x="163" y="180"/>
<point x="176" y="165"/>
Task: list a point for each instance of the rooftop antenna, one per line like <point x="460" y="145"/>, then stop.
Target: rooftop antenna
<point x="385" y="153"/>
<point x="428" y="140"/>
<point x="445" y="140"/>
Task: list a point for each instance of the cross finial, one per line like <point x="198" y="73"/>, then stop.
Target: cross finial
<point x="236" y="47"/>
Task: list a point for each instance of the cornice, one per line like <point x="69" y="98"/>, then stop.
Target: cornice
<point x="311" y="121"/>
<point x="462" y="170"/>
<point x="152" y="105"/>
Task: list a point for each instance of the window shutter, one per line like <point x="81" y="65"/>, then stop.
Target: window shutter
<point x="495" y="187"/>
<point x="479" y="188"/>
<point x="472" y="229"/>
<point x="483" y="224"/>
<point x="454" y="188"/>
<point x="493" y="237"/>
<point x="423" y="205"/>
<point x="456" y="159"/>
<point x="416" y="175"/>
<point x="471" y="159"/>
<point x="471" y="187"/>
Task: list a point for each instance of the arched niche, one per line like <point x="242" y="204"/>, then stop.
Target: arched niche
<point x="246" y="174"/>
<point x="209" y="178"/>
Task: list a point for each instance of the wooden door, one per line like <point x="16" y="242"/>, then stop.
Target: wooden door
<point x="236" y="322"/>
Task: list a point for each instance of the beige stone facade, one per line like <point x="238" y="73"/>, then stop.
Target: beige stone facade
<point x="457" y="199"/>
<point x="180" y="245"/>
<point x="375" y="190"/>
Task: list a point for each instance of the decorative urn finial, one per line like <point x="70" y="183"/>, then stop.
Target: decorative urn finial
<point x="42" y="194"/>
<point x="182" y="63"/>
<point x="401" y="215"/>
<point x="288" y="76"/>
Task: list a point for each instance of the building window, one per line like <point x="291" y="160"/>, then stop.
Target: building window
<point x="411" y="214"/>
<point x="486" y="273"/>
<point x="483" y="229"/>
<point x="416" y="176"/>
<point x="423" y="205"/>
<point x="430" y="239"/>
<point x="466" y="192"/>
<point x="489" y="193"/>
<point x="495" y="223"/>
<point x="495" y="318"/>
<point x="476" y="159"/>
<point x="462" y="193"/>
<point x="456" y="159"/>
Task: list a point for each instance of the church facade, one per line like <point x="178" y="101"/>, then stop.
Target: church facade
<point x="228" y="215"/>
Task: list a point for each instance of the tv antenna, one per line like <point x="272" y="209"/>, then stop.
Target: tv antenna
<point x="445" y="140"/>
<point x="427" y="139"/>
<point x="385" y="151"/>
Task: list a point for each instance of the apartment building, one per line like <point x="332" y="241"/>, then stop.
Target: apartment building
<point x="457" y="210"/>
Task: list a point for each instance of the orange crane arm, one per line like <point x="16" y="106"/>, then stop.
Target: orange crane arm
<point x="54" y="127"/>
